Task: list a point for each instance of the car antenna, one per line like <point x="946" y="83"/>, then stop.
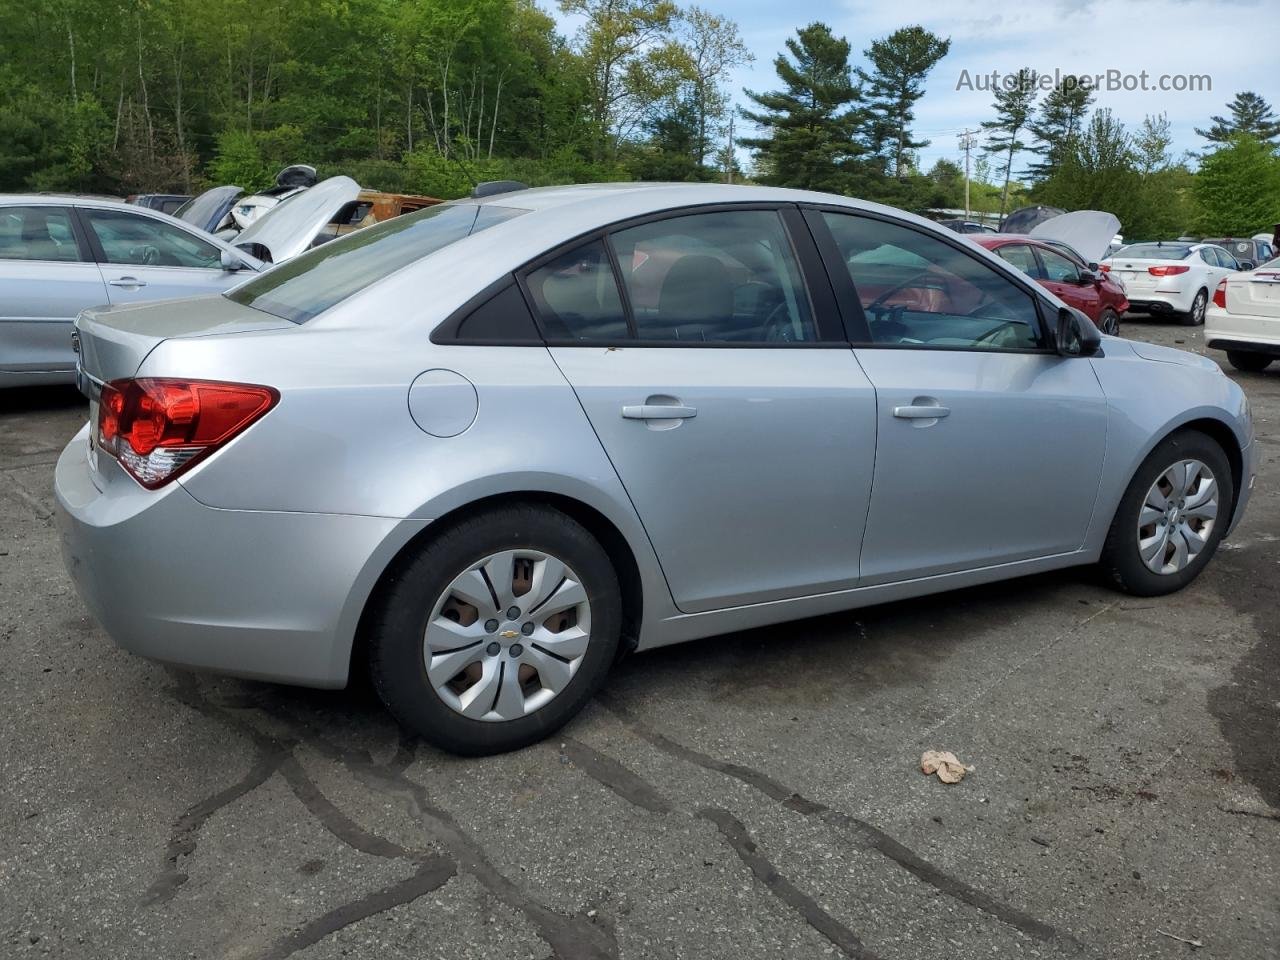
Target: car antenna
<point x="466" y="172"/>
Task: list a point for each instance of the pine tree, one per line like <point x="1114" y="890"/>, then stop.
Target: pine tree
<point x="1058" y="125"/>
<point x="1250" y="114"/>
<point x="1014" y="103"/>
<point x="809" y="127"/>
<point x="900" y="64"/>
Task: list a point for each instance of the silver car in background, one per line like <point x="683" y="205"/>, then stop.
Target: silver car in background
<point x="497" y="443"/>
<point x="61" y="255"/>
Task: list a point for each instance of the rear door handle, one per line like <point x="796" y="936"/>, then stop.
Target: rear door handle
<point x="657" y="411"/>
<point x="921" y="412"/>
<point x="127" y="282"/>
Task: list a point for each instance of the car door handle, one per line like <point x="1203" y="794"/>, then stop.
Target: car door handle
<point x="921" y="412"/>
<point x="127" y="282"/>
<point x="657" y="411"/>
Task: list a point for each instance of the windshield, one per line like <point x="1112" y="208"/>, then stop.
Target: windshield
<point x="310" y="284"/>
<point x="1155" y="251"/>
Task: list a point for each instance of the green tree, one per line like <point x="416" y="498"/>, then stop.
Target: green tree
<point x="900" y="63"/>
<point x="619" y="44"/>
<point x="1013" y="104"/>
<point x="1237" y="188"/>
<point x="1250" y="114"/>
<point x="1058" y="124"/>
<point x="808" y="127"/>
<point x="713" y="48"/>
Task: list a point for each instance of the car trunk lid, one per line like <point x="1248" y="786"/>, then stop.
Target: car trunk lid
<point x="1256" y="294"/>
<point x="112" y="342"/>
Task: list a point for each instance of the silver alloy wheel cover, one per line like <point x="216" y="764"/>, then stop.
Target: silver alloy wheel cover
<point x="508" y="653"/>
<point x="1198" y="307"/>
<point x="1177" y="516"/>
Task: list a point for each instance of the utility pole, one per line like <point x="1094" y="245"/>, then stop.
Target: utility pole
<point x="968" y="140"/>
<point x="728" y="154"/>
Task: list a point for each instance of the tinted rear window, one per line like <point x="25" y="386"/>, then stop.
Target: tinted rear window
<point x="1155" y="251"/>
<point x="310" y="284"/>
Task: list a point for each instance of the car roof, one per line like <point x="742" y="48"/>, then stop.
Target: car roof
<point x="61" y="199"/>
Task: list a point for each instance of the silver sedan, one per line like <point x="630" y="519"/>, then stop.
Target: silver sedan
<point x="498" y="443"/>
<point x="61" y="255"/>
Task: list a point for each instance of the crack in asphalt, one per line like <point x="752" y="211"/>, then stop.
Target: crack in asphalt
<point x="574" y="937"/>
<point x="432" y="874"/>
<point x="736" y="835"/>
<point x="874" y="837"/>
<point x="613" y="775"/>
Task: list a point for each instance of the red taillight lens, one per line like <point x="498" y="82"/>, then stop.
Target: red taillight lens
<point x="1220" y="295"/>
<point x="1172" y="271"/>
<point x="1105" y="267"/>
<point x="159" y="427"/>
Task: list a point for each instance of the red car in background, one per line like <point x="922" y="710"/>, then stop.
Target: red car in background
<point x="1062" y="271"/>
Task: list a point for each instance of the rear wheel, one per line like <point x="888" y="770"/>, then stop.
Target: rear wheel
<point x="498" y="631"/>
<point x="1172" y="516"/>
<point x="1109" y="322"/>
<point x="1248" y="362"/>
<point x="1195" y="316"/>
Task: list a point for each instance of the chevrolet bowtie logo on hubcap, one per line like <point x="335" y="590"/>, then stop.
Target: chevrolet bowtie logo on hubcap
<point x="509" y="634"/>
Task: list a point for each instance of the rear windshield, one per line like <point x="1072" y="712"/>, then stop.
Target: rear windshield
<point x="1155" y="251"/>
<point x="308" y="285"/>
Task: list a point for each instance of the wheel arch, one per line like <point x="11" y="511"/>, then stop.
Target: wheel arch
<point x="625" y="564"/>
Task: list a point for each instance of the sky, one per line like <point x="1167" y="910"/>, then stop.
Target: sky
<point x="1231" y="41"/>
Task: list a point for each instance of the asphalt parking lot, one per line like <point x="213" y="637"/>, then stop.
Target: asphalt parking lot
<point x="747" y="796"/>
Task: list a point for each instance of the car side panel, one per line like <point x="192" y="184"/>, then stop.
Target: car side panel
<point x="39" y="301"/>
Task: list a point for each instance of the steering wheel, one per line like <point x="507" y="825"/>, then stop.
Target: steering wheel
<point x="878" y="303"/>
<point x="777" y="327"/>
<point x="150" y="255"/>
<point x="990" y="335"/>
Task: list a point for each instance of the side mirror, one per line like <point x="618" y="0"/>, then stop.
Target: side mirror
<point x="1247" y="265"/>
<point x="230" y="262"/>
<point x="1093" y="266"/>
<point x="1087" y="277"/>
<point x="1076" y="336"/>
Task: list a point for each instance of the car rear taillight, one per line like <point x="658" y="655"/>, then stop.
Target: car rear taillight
<point x="1220" y="295"/>
<point x="159" y="427"/>
<point x="1104" y="267"/>
<point x="1172" y="271"/>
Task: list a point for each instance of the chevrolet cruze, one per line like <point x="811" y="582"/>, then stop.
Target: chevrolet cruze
<point x="488" y="447"/>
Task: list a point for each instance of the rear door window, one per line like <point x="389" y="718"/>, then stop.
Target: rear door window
<point x="723" y="277"/>
<point x="1021" y="256"/>
<point x="37" y="233"/>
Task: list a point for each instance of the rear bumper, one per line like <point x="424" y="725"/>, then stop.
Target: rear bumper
<point x="1160" y="301"/>
<point x="267" y="595"/>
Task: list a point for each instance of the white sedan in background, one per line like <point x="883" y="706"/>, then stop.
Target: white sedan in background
<point x="1244" y="317"/>
<point x="1173" y="277"/>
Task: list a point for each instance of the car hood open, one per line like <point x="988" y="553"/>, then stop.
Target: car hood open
<point x="1087" y="232"/>
<point x="288" y="229"/>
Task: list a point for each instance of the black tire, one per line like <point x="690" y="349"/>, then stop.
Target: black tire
<point x="409" y="594"/>
<point x="1195" y="317"/>
<point x="1121" y="562"/>
<point x="1109" y="322"/>
<point x="1248" y="362"/>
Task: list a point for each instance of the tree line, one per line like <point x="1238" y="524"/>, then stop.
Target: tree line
<point x="123" y="96"/>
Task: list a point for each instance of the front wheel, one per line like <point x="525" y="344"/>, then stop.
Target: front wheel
<point x="1195" y="316"/>
<point x="1171" y="518"/>
<point x="498" y="632"/>
<point x="1109" y="322"/>
<point x="1248" y="362"/>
